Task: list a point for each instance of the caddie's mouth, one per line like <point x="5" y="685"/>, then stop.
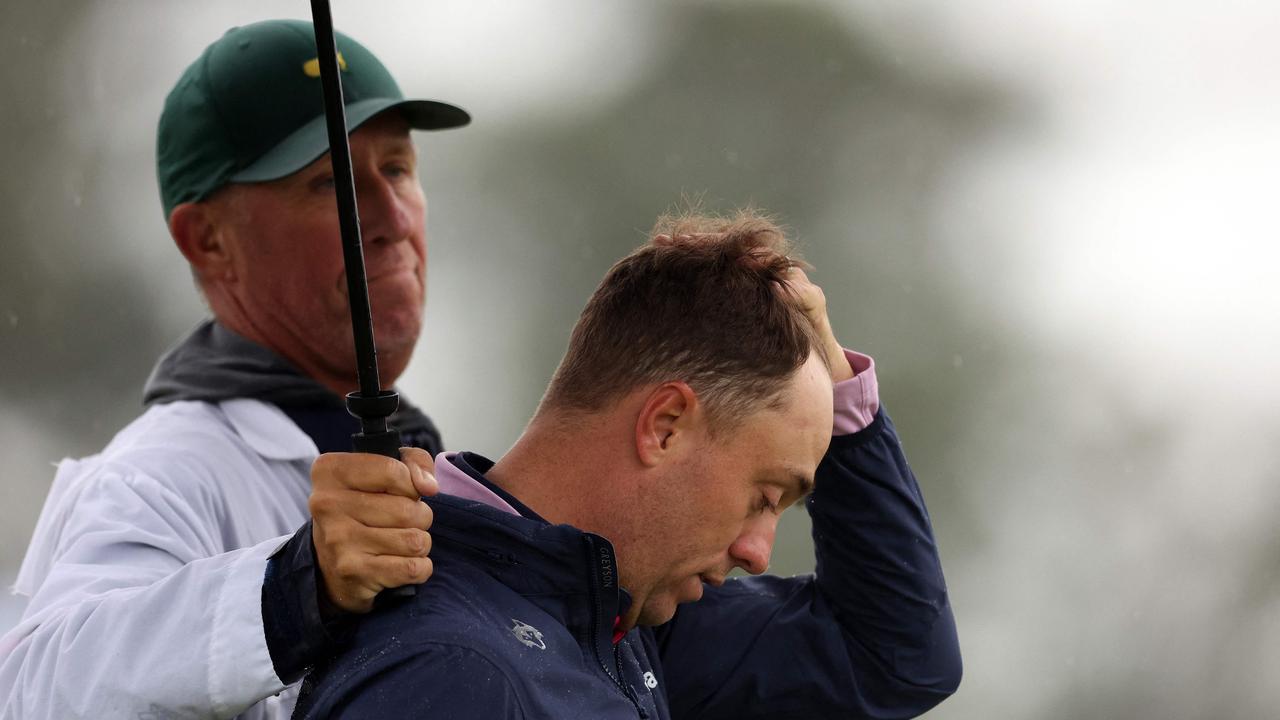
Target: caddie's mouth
<point x="393" y="272"/>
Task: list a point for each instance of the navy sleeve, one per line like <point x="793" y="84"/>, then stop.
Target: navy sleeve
<point x="297" y="634"/>
<point x="438" y="680"/>
<point x="871" y="635"/>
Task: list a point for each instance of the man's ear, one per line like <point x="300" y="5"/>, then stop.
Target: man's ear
<point x="194" y="228"/>
<point x="668" y="420"/>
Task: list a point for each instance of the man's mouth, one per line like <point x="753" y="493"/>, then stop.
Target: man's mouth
<point x="389" y="272"/>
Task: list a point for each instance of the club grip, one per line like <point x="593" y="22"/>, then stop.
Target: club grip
<point x="374" y="410"/>
<point x="385" y="443"/>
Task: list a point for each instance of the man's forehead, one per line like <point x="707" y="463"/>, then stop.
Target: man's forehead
<point x="803" y="432"/>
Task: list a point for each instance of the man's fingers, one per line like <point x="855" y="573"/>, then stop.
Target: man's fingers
<point x="357" y="578"/>
<point x="347" y="542"/>
<point x="421" y="470"/>
<point x="391" y="571"/>
<point x="375" y="510"/>
<point x="808" y="295"/>
<point x="813" y="302"/>
<point x="797" y="274"/>
<point x="364" y="472"/>
<point x="356" y="562"/>
<point x="398" y="542"/>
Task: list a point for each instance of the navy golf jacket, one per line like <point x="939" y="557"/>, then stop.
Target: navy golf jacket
<point x="517" y="620"/>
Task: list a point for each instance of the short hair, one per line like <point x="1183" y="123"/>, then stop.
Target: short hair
<point x="705" y="301"/>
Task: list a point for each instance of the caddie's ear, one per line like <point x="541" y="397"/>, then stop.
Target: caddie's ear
<point x="194" y="228"/>
<point x="668" y="424"/>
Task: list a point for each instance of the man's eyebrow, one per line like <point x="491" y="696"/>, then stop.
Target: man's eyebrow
<point x="400" y="149"/>
<point x="806" y="484"/>
<point x="788" y="481"/>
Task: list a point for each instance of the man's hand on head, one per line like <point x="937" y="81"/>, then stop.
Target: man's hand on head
<point x="369" y="524"/>
<point x="813" y="301"/>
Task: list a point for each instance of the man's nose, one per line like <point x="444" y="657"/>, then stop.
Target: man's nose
<point x="384" y="215"/>
<point x="753" y="548"/>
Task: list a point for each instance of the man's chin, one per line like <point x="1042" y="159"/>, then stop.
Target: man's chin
<point x="660" y="610"/>
<point x="657" y="613"/>
<point x="397" y="332"/>
<point x="397" y="304"/>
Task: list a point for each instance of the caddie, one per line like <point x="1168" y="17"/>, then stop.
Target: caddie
<point x="193" y="568"/>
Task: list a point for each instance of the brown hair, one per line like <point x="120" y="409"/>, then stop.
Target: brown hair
<point x="705" y="302"/>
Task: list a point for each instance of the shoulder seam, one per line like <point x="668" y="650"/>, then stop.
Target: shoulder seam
<point x="471" y="650"/>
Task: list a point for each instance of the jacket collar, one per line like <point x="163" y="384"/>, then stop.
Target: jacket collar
<point x="455" y="477"/>
<point x="570" y="574"/>
<point x="268" y="430"/>
<point x="213" y="363"/>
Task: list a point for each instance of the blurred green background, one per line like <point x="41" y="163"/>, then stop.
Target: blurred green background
<point x="1052" y="225"/>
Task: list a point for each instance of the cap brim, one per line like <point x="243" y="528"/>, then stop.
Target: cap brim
<point x="310" y="141"/>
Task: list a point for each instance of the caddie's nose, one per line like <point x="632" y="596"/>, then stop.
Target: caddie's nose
<point x="385" y="216"/>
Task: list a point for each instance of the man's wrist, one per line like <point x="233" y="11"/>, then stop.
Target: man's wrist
<point x="857" y="400"/>
<point x="328" y="610"/>
<point x="841" y="370"/>
<point x="299" y="628"/>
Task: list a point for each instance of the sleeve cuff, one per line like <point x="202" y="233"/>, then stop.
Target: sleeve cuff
<point x="296" y="632"/>
<point x="857" y="399"/>
<point x="240" y="666"/>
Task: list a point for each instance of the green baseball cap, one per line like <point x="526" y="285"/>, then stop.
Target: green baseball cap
<point x="251" y="109"/>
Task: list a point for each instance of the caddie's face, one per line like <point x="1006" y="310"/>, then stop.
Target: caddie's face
<point x="293" y="284"/>
<point x="723" y="513"/>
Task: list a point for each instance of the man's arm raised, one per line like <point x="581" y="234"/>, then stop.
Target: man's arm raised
<point x="871" y="635"/>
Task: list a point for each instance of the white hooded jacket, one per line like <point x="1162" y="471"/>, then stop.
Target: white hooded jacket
<point x="145" y="570"/>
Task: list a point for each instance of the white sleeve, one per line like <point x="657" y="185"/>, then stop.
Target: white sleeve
<point x="140" y="614"/>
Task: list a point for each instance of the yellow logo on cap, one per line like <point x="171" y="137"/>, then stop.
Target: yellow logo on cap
<point x="312" y="66"/>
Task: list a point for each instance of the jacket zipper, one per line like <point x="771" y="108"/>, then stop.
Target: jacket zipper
<point x="595" y="625"/>
<point x="628" y="689"/>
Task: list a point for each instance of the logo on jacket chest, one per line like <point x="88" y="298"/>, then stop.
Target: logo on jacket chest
<point x="650" y="681"/>
<point x="527" y="634"/>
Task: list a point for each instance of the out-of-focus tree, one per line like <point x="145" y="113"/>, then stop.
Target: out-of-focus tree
<point x="77" y="335"/>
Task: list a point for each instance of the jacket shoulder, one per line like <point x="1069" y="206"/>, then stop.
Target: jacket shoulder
<point x="464" y="627"/>
<point x="442" y="677"/>
<point x="439" y="653"/>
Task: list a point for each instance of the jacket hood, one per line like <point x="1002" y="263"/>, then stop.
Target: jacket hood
<point x="214" y="364"/>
